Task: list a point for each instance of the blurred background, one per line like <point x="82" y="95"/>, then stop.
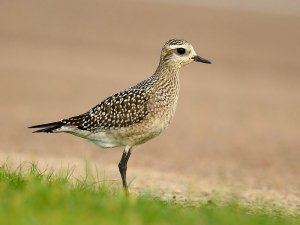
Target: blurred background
<point x="237" y="122"/>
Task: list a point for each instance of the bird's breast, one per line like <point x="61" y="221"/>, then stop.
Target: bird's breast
<point x="165" y="99"/>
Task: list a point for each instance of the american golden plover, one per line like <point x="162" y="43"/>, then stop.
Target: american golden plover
<point x="137" y="114"/>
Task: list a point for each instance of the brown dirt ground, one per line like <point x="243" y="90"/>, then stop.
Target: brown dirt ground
<point x="237" y="125"/>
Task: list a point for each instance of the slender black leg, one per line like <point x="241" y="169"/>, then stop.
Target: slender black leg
<point x="123" y="168"/>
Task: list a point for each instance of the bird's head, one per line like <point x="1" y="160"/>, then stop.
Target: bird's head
<point x="178" y="52"/>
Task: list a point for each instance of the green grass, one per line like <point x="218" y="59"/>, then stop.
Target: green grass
<point x="29" y="196"/>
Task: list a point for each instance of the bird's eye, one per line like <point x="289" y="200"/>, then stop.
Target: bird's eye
<point x="180" y="51"/>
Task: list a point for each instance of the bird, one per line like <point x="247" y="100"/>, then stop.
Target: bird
<point x="137" y="114"/>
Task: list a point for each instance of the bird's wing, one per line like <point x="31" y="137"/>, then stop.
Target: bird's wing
<point x="123" y="109"/>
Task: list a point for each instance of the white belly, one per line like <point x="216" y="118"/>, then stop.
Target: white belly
<point x="129" y="136"/>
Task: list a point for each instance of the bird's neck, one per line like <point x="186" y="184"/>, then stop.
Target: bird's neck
<point x="166" y="70"/>
<point x="166" y="90"/>
<point x="167" y="80"/>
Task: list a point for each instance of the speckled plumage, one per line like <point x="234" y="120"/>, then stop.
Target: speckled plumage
<point x="131" y="116"/>
<point x="137" y="114"/>
<point x="120" y="110"/>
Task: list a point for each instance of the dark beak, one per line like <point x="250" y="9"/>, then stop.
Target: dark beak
<point x="197" y="58"/>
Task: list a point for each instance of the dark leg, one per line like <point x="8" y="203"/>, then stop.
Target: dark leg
<point x="123" y="168"/>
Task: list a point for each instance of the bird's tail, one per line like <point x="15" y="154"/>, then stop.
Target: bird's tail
<point x="47" y="127"/>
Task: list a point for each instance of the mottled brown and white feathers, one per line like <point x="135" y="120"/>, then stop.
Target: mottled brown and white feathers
<point x="136" y="114"/>
<point x="120" y="110"/>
